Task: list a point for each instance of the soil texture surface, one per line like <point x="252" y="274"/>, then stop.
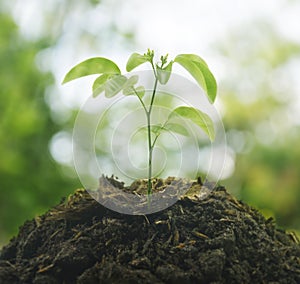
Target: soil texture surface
<point x="202" y="238"/>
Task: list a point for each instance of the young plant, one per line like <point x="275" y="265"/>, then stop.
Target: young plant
<point x="111" y="82"/>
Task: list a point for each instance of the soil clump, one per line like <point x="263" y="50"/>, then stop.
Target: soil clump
<point x="207" y="236"/>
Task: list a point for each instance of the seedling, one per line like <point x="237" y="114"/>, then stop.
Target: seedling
<point x="112" y="82"/>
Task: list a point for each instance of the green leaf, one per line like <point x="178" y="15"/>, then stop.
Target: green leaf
<point x="114" y="85"/>
<point x="155" y="129"/>
<point x="198" y="117"/>
<point x="140" y="90"/>
<point x="135" y="60"/>
<point x="177" y="128"/>
<point x="96" y="65"/>
<point x="163" y="74"/>
<point x="99" y="84"/>
<point x="197" y="67"/>
<point x="194" y="57"/>
<point x="131" y="81"/>
<point x="128" y="88"/>
<point x="173" y="127"/>
<point x="128" y="91"/>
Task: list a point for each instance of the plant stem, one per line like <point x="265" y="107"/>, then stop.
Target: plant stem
<point x="150" y="145"/>
<point x="149" y="155"/>
<point x="141" y="101"/>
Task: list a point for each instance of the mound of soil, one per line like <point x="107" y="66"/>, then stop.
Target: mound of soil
<point x="210" y="238"/>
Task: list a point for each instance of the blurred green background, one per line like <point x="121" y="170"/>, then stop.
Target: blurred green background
<point x="253" y="49"/>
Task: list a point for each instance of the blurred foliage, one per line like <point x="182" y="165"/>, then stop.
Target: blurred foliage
<point x="30" y="181"/>
<point x="261" y="121"/>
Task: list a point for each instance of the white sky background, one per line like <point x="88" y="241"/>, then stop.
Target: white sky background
<point x="167" y="26"/>
<point x="191" y="25"/>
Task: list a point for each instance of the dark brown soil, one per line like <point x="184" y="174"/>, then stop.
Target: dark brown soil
<point x="210" y="238"/>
